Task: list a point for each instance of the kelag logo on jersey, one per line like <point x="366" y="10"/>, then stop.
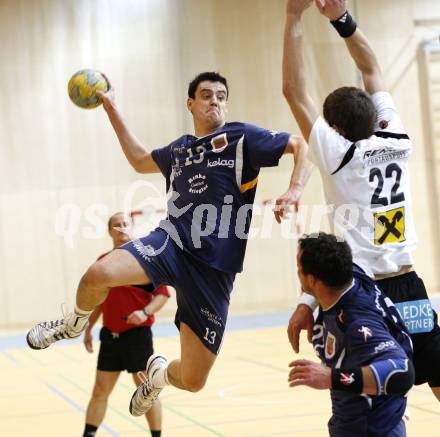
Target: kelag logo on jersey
<point x="221" y="163"/>
<point x="417" y="315"/>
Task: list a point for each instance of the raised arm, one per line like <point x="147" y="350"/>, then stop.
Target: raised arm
<point x="294" y="71"/>
<point x="357" y="44"/>
<point x="137" y="155"/>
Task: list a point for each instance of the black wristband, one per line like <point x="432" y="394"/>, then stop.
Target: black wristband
<point x="145" y="311"/>
<point x="348" y="380"/>
<point x="345" y="25"/>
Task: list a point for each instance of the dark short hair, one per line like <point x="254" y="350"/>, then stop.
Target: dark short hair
<point x="326" y="258"/>
<point x="351" y="110"/>
<point x="210" y="76"/>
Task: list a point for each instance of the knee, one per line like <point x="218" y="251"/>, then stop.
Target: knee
<point x="96" y="276"/>
<point x="100" y="392"/>
<point x="193" y="383"/>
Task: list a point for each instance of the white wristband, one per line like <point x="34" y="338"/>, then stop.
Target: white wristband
<point x="309" y="300"/>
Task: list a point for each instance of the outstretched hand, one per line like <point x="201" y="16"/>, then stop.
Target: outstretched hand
<point x="283" y="205"/>
<point x="332" y="9"/>
<point x="314" y="375"/>
<point x="108" y="97"/>
<point x="297" y="7"/>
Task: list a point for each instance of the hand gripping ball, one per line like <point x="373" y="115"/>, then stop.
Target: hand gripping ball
<point x="83" y="85"/>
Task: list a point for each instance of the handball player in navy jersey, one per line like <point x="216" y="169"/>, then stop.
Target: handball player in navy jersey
<point x="211" y="179"/>
<point x="363" y="344"/>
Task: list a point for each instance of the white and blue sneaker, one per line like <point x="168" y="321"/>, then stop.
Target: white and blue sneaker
<point x="145" y="395"/>
<point x="44" y="334"/>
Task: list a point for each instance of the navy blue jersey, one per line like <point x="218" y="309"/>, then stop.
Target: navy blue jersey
<point x="362" y="327"/>
<point x="211" y="184"/>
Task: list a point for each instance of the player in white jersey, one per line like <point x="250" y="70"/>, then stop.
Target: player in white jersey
<point x="362" y="150"/>
<point x="367" y="184"/>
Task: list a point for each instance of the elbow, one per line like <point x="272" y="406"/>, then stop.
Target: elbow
<point x="297" y="146"/>
<point x="409" y="378"/>
<point x="136" y="166"/>
<point x="139" y="164"/>
<point x="400" y="383"/>
<point x="297" y="99"/>
<point x="288" y="91"/>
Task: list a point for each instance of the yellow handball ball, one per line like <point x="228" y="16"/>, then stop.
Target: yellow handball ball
<point x="82" y="88"/>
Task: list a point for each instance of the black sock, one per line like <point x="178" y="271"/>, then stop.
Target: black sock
<point x="156" y="433"/>
<point x="90" y="430"/>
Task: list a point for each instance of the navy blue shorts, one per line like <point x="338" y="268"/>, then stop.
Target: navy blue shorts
<point x="202" y="292"/>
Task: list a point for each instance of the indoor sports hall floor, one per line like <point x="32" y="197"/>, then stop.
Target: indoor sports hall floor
<point x="44" y="393"/>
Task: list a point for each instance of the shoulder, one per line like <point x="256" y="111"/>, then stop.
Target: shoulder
<point x="179" y="141"/>
<point x="381" y="99"/>
<point x="321" y="126"/>
<point x="103" y="255"/>
<point x="235" y="125"/>
<point x="359" y="270"/>
<point x="232" y="129"/>
<point x="246" y="128"/>
<point x="358" y="305"/>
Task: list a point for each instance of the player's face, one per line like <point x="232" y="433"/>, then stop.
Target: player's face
<point x="209" y="106"/>
<point x="120" y="229"/>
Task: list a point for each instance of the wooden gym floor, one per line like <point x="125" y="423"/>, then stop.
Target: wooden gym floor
<point x="45" y="393"/>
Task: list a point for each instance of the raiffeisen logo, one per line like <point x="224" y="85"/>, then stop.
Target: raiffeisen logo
<point x="221" y="163"/>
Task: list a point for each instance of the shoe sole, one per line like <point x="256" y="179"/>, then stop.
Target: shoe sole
<point x="131" y="402"/>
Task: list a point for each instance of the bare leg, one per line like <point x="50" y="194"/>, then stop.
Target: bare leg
<point x="117" y="268"/>
<point x="154" y="415"/>
<point x="192" y="370"/>
<point x="104" y="384"/>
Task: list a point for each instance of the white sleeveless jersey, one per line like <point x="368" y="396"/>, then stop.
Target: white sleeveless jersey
<point x="367" y="185"/>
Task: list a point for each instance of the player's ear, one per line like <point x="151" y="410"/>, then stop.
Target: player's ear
<point x="312" y="281"/>
<point x="189" y="104"/>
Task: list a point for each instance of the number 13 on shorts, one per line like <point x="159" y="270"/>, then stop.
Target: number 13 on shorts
<point x="210" y="336"/>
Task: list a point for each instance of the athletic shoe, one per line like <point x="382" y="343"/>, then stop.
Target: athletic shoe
<point x="44" y="334"/>
<point x="145" y="395"/>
